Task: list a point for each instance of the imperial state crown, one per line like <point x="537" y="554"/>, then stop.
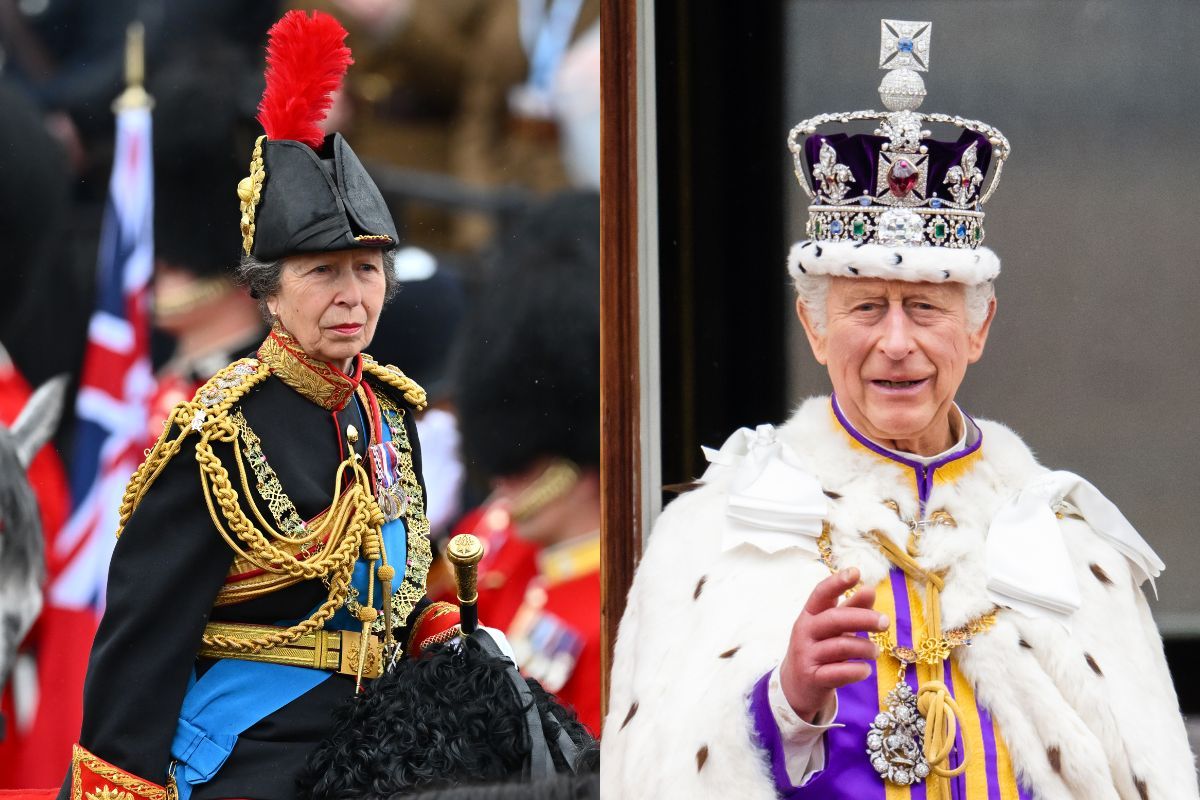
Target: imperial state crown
<point x="897" y="203"/>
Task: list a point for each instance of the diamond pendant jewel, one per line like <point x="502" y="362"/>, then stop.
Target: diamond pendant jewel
<point x="895" y="740"/>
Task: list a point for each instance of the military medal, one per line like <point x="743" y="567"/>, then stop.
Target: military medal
<point x="385" y="463"/>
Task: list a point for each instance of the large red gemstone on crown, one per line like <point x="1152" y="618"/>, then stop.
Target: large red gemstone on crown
<point x="902" y="177"/>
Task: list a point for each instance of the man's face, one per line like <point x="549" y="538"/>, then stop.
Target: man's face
<point x="896" y="353"/>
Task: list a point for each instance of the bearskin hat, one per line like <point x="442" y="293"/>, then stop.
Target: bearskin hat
<point x="205" y="98"/>
<point x="527" y="376"/>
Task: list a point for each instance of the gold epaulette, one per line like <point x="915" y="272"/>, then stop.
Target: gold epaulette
<point x="413" y="394"/>
<point x="206" y="414"/>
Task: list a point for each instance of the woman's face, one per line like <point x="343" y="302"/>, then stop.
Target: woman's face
<point x="330" y="302"/>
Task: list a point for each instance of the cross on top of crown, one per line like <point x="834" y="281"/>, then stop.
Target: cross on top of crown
<point x="904" y="44"/>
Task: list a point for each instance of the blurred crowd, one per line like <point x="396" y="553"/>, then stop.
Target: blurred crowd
<point x="479" y="121"/>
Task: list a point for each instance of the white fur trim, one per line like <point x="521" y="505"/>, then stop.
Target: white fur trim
<point x="703" y="624"/>
<point x="916" y="264"/>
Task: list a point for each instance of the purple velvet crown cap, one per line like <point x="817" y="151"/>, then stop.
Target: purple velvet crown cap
<point x="860" y="153"/>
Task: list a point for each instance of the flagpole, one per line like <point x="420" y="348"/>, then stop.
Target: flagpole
<point x="116" y="380"/>
<point x="135" y="95"/>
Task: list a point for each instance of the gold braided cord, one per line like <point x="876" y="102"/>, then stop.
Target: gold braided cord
<point x="261" y="551"/>
<point x="934" y="701"/>
<point x="211" y="402"/>
<point x="335" y="563"/>
<point x="413" y="394"/>
<point x="239" y="459"/>
<point x="352" y="523"/>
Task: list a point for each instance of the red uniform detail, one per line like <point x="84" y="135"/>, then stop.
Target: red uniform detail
<point x="92" y="776"/>
<point x="436" y="624"/>
<point x="508" y="564"/>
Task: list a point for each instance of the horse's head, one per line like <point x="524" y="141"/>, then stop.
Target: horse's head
<point x="21" y="563"/>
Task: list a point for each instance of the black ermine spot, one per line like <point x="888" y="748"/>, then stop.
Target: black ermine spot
<point x="1054" y="755"/>
<point x="632" y="710"/>
<point x="1100" y="574"/>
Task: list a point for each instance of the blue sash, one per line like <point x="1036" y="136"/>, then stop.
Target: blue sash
<point x="235" y="694"/>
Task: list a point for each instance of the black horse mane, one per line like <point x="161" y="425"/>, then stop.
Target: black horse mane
<point x="451" y="717"/>
<point x="583" y="786"/>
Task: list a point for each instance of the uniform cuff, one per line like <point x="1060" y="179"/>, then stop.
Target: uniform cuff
<point x="92" y="776"/>
<point x="796" y="748"/>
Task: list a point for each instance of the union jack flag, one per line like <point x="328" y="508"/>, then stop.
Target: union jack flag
<point x="117" y="380"/>
<point x="115" y="387"/>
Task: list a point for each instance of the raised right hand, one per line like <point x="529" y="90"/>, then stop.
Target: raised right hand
<point x="825" y="653"/>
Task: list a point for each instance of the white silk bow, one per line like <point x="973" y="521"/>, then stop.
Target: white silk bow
<point x="773" y="503"/>
<point x="1029" y="568"/>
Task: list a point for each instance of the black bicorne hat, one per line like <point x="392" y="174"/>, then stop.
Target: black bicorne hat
<point x="307" y="192"/>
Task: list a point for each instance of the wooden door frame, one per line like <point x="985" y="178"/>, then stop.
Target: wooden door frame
<point x="628" y="300"/>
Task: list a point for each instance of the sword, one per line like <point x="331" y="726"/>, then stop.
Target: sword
<point x="464" y="552"/>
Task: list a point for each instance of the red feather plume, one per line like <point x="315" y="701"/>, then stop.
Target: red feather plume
<point x="306" y="61"/>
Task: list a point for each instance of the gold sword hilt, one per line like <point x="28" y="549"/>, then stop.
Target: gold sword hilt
<point x="465" y="552"/>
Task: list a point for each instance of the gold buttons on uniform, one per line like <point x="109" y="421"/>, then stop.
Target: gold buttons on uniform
<point x="352" y="434"/>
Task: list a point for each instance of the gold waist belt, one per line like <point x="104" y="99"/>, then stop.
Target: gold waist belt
<point x="337" y="651"/>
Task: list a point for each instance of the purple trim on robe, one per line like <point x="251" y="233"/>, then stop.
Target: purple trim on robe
<point x="904" y="631"/>
<point x="958" y="786"/>
<point x="769" y="739"/>
<point x="990" y="754"/>
<point x="848" y="774"/>
<point x="904" y="638"/>
<point x="924" y="473"/>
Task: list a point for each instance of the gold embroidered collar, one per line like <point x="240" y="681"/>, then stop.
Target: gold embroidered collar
<point x="322" y="383"/>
